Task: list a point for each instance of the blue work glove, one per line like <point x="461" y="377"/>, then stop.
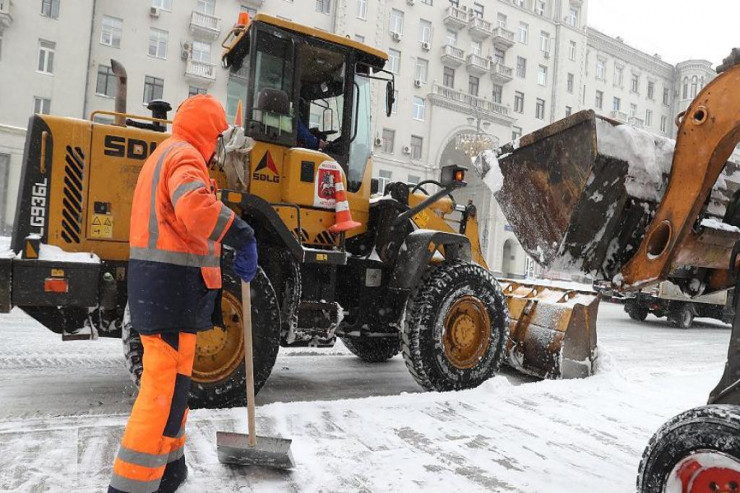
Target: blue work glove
<point x="245" y="261"/>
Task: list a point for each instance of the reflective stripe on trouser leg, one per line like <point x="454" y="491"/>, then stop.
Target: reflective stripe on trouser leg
<point x="145" y="450"/>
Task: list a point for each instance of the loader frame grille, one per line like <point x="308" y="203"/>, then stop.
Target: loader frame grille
<point x="74" y="172"/>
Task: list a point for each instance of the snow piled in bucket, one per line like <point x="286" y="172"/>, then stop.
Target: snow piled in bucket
<point x="487" y="167"/>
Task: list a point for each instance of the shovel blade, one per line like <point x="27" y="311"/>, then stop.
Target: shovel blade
<point x="233" y="448"/>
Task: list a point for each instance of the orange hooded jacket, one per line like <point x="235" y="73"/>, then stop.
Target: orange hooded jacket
<point x="178" y="225"/>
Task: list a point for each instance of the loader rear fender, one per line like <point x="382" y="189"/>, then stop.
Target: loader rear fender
<point x="417" y="251"/>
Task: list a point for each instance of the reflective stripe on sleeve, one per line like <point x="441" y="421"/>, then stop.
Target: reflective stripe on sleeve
<point x="185" y="188"/>
<point x="176" y="258"/>
<point x="142" y="458"/>
<point x="153" y="224"/>
<point x="223" y="220"/>
<point x="133" y="486"/>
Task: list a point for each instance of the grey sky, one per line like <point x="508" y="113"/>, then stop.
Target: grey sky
<point x="675" y="29"/>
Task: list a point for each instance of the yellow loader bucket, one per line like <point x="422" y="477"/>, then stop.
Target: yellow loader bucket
<point x="552" y="332"/>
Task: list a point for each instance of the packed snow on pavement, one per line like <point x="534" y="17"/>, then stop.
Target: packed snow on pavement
<point x="363" y="427"/>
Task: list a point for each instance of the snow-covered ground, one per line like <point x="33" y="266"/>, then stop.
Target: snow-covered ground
<point x="362" y="427"/>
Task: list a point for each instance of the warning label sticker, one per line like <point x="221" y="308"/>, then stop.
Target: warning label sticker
<point x="101" y="226"/>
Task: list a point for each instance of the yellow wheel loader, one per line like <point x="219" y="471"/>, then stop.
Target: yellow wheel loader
<point x="411" y="278"/>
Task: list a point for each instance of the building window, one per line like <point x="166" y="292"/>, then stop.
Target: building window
<point x="106" y="85"/>
<point x="523" y="32"/>
<point x="616" y="104"/>
<point x="46" y="56"/>
<point x="389" y="138"/>
<point x="158" y="43"/>
<point x="422" y="69"/>
<point x="518" y="3"/>
<point x="206" y="7"/>
<point x="414" y="179"/>
<point x="110" y="34"/>
<point x="599" y="100"/>
<point x="194" y="91"/>
<point x="201" y="52"/>
<point x="498" y="92"/>
<point x="473" y="85"/>
<point x="568" y="110"/>
<point x="425" y="31"/>
<point x="396" y="21"/>
<point x="573" y="17"/>
<point x="360" y="38"/>
<point x="427" y="2"/>
<point x="633" y="110"/>
<point x="476" y="47"/>
<point x="448" y="77"/>
<point x="516" y="133"/>
<point x="618" y="75"/>
<point x="162" y="4"/>
<point x="521" y="67"/>
<point x="362" y="9"/>
<point x="539" y="111"/>
<point x="685" y="88"/>
<point x="455" y="3"/>
<point x="478" y="9"/>
<point x="451" y="38"/>
<point x="418" y="106"/>
<point x="648" y="118"/>
<point x="394" y="61"/>
<point x="540" y="7"/>
<point x="416" y="148"/>
<point x="542" y="75"/>
<point x="544" y="42"/>
<point x="153" y="89"/>
<point x="600" y="69"/>
<point x="694" y="86"/>
<point x="519" y="102"/>
<point x="323" y="6"/>
<point x="42" y="106"/>
<point x="50" y="8"/>
<point x="663" y="123"/>
<point x="635" y="83"/>
<point x="499" y="55"/>
<point x="651" y="90"/>
<point x="572" y="51"/>
<point x="501" y="20"/>
<point x="570" y="83"/>
<point x="666" y="100"/>
<point x="384" y="178"/>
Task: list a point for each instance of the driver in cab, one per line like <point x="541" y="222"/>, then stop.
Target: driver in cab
<point x="308" y="140"/>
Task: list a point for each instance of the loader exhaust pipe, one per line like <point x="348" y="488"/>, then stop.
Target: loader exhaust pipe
<point x="121" y="93"/>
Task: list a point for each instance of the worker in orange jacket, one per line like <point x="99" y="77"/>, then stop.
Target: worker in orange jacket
<point x="174" y="276"/>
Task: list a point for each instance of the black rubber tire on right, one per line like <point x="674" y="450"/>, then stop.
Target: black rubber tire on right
<point x="714" y="428"/>
<point x="682" y="316"/>
<point x="373" y="349"/>
<point x="636" y="310"/>
<point x="421" y="338"/>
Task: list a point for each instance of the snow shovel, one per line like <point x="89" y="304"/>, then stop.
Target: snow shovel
<point x="251" y="450"/>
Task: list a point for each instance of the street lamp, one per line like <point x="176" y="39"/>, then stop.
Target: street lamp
<point x="471" y="143"/>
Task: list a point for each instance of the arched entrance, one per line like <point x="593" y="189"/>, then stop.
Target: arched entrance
<point x="508" y="260"/>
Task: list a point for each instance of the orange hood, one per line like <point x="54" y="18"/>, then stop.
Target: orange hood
<point x="199" y="121"/>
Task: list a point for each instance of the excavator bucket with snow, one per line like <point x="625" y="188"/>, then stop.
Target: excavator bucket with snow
<point x="552" y="331"/>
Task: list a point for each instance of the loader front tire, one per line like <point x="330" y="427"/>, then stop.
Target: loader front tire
<point x="694" y="449"/>
<point x="636" y="310"/>
<point x="456" y="327"/>
<point x="682" y="316"/>
<point x="219" y="378"/>
<point x="373" y="349"/>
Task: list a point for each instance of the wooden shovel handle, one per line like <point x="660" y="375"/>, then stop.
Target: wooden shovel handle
<point x="248" y="359"/>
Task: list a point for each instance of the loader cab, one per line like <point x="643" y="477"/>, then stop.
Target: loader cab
<point x="296" y="73"/>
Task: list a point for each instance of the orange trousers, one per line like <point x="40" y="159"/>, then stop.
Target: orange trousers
<point x="151" y="457"/>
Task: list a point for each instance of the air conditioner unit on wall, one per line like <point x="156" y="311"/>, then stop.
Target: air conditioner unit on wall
<point x="410" y="2"/>
<point x="426" y="45"/>
<point x="185" y="50"/>
<point x="407" y="149"/>
<point x="378" y="142"/>
<point x="396" y="36"/>
<point x="418" y="82"/>
<point x="153" y="12"/>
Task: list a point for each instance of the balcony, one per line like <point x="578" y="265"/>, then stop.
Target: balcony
<point x="636" y="122"/>
<point x="620" y="116"/>
<point x="465" y="103"/>
<point x="456" y="18"/>
<point x="501" y="74"/>
<point x="205" y="25"/>
<point x="452" y="56"/>
<point x="479" y="29"/>
<point x="503" y="39"/>
<point x="198" y="71"/>
<point x="6" y="14"/>
<point x="477" y="65"/>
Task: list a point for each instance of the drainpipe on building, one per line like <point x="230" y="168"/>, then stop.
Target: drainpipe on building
<point x="89" y="59"/>
<point x="556" y="61"/>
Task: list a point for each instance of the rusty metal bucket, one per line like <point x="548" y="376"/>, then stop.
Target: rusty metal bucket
<point x="576" y="196"/>
<point x="552" y="333"/>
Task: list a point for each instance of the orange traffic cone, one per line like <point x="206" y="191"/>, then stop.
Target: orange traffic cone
<point x="344" y="220"/>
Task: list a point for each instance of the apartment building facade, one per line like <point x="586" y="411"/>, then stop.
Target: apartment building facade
<point x="466" y="72"/>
